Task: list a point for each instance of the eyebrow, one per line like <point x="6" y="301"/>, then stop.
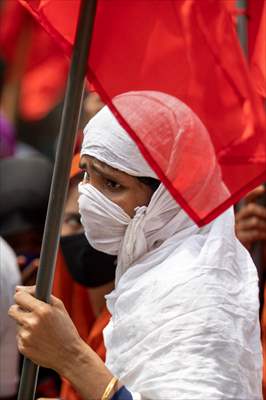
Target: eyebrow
<point x="101" y="170"/>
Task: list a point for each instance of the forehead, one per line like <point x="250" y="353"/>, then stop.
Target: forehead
<point x="92" y="162"/>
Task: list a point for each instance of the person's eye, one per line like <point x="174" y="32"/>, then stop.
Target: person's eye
<point x="112" y="184"/>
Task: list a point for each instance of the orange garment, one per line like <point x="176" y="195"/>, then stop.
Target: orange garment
<point x="95" y="341"/>
<point x="74" y="296"/>
<point x="76" y="301"/>
<point x="75" y="170"/>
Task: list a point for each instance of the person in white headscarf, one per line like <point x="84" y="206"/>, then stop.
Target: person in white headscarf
<point x="184" y="309"/>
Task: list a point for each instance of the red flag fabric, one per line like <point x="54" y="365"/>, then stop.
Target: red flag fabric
<point x="254" y="12"/>
<point x="258" y="58"/>
<point x="34" y="58"/>
<point x="188" y="49"/>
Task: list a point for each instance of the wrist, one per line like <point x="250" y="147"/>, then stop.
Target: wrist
<point x="86" y="372"/>
<point x="73" y="358"/>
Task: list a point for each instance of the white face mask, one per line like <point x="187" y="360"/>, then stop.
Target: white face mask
<point x="105" y="223"/>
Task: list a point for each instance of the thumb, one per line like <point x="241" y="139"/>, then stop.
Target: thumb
<point x="257" y="192"/>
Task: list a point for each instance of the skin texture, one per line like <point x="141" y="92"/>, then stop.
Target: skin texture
<point x="251" y="219"/>
<point x="46" y="333"/>
<point x="123" y="189"/>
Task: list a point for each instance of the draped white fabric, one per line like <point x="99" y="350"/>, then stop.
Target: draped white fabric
<point x="103" y="136"/>
<point x="185" y="317"/>
<point x="184" y="310"/>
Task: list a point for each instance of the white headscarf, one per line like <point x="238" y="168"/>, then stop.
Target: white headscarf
<point x="185" y="308"/>
<point x="173" y="135"/>
<point x="103" y="136"/>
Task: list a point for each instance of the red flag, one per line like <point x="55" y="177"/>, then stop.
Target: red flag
<point x="258" y="58"/>
<point x="254" y="12"/>
<point x="34" y="59"/>
<point x="188" y="49"/>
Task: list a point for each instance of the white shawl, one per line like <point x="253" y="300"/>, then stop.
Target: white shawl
<point x="184" y="311"/>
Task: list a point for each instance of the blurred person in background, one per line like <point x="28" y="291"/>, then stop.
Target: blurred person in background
<point x="24" y="190"/>
<point x="9" y="356"/>
<point x="7" y="132"/>
<point x="251" y="231"/>
<point x="251" y="218"/>
<point x="86" y="265"/>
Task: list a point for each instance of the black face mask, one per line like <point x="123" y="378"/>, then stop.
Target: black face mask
<point x="86" y="265"/>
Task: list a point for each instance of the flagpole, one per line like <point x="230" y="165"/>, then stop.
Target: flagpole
<point x="59" y="186"/>
<point x="242" y="26"/>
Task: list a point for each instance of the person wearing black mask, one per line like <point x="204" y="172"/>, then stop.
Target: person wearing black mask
<point x="87" y="266"/>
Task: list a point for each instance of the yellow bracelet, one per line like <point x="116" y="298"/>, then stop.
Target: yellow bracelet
<point x="109" y="388"/>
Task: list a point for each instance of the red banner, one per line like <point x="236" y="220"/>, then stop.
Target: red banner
<point x="33" y="59"/>
<point x="188" y="49"/>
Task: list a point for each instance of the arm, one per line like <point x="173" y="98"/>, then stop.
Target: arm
<point x="48" y="337"/>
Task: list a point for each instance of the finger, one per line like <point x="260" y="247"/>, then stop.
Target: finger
<point x="254" y="194"/>
<point x="17" y="314"/>
<point x="252" y="223"/>
<point x="251" y="209"/>
<point x="251" y="236"/>
<point x="28" y="289"/>
<point x="25" y="300"/>
<point x="31" y="291"/>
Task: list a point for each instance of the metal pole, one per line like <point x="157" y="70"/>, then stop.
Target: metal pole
<point x="242" y="26"/>
<point x="59" y="186"/>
